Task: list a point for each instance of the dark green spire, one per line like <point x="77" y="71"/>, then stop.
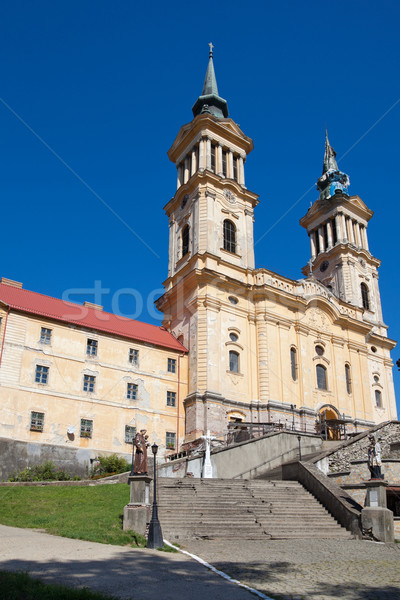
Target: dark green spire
<point x="330" y="163"/>
<point x="210" y="102"/>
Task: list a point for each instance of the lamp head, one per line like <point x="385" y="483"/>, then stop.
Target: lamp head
<point x="154" y="448"/>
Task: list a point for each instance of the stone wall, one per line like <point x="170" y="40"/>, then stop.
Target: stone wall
<point x="17" y="455"/>
<point x="359" y="472"/>
<point x="357" y="449"/>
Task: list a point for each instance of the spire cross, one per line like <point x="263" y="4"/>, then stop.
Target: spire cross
<point x="211" y="48"/>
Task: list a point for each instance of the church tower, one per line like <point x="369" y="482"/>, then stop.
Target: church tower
<point x="337" y="227"/>
<point x="211" y="254"/>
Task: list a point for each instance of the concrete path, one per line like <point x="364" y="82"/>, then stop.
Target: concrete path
<point x="319" y="569"/>
<point x="123" y="572"/>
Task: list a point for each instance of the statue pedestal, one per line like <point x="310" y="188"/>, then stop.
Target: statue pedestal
<point x="376" y="516"/>
<point x="137" y="513"/>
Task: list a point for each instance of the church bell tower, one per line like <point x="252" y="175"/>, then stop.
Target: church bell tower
<point x="337" y="227"/>
<point x="211" y="252"/>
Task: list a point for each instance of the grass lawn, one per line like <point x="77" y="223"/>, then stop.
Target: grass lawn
<point x="19" y="586"/>
<point x="83" y="513"/>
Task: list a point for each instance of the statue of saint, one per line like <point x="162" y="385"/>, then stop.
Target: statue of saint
<point x="140" y="464"/>
<point x="374" y="458"/>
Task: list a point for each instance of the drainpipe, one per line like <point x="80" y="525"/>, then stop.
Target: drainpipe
<point x="179" y="385"/>
<point x="4" y="335"/>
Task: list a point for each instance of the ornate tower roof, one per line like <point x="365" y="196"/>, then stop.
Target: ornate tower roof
<point x="210" y="101"/>
<point x="331" y="180"/>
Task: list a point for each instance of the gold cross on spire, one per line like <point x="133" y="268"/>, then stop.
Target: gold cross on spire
<point x="211" y="48"/>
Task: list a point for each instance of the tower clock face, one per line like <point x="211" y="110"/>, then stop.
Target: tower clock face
<point x="230" y="196"/>
<point x="324" y="266"/>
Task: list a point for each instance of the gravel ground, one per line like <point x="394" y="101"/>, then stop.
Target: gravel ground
<point x="308" y="569"/>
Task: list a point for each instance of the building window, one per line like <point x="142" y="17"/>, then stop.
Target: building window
<point x="348" y="378"/>
<point x="86" y="428"/>
<point x="171" y="398"/>
<point x="41" y="374"/>
<point x="233" y="337"/>
<point x="319" y="350"/>
<point x="134" y="357"/>
<point x="378" y="399"/>
<point x="130" y="433"/>
<point x="365" y="296"/>
<point x="170" y="440"/>
<point x="229" y="236"/>
<point x="37" y="421"/>
<point x="233" y="361"/>
<point x="91" y="347"/>
<point x="321" y="377"/>
<point x="317" y="244"/>
<point x="293" y="363"/>
<point x="89" y="382"/>
<point x="233" y="300"/>
<point x="45" y="335"/>
<point x="185" y="240"/>
<point x="171" y="365"/>
<point x="131" y="391"/>
<point x="224" y="163"/>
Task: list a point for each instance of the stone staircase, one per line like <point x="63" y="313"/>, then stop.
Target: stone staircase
<point x="243" y="509"/>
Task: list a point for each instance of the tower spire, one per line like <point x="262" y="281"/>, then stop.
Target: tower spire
<point x="210" y="101"/>
<point x="332" y="180"/>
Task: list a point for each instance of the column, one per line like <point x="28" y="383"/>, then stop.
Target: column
<point x="262" y="343"/>
<point x="194" y="162"/>
<point x="241" y="170"/>
<point x="364" y="237"/>
<point x="186" y="173"/>
<point x="312" y="243"/>
<point x="219" y="160"/>
<point x="321" y="239"/>
<point x="229" y="166"/>
<point x="208" y="154"/>
<point x="357" y="234"/>
<point x="179" y="171"/>
<point x="330" y="235"/>
<point x="202" y="162"/>
<point x="350" y="230"/>
<point x="343" y="227"/>
<point x="339" y="233"/>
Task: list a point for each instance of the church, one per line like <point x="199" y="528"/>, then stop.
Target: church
<point x="236" y="343"/>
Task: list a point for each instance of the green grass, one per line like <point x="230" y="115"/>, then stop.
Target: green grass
<point x="19" y="586"/>
<point x="83" y="513"/>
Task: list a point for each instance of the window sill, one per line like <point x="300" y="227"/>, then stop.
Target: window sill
<point x="230" y="253"/>
<point x="234" y="373"/>
<point x="36" y="430"/>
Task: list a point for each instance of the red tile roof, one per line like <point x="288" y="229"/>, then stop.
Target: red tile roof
<point x="83" y="316"/>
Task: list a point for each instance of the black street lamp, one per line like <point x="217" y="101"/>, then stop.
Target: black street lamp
<point x="292" y="406"/>
<point x="155" y="537"/>
<point x="299" y="438"/>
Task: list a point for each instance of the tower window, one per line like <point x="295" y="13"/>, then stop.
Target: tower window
<point x="185" y="240"/>
<point x="229" y="236"/>
<point x="233" y="337"/>
<point x="213" y="158"/>
<point x="321" y="377"/>
<point x="365" y="296"/>
<point x="378" y="399"/>
<point x="319" y="350"/>
<point x="235" y="170"/>
<point x="317" y="244"/>
<point x="334" y="231"/>
<point x="224" y="163"/>
<point x="325" y="233"/>
<point x="293" y="363"/>
<point x="233" y="361"/>
<point x="348" y="378"/>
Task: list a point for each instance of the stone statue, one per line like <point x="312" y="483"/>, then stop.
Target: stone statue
<point x="374" y="458"/>
<point x="140" y="464"/>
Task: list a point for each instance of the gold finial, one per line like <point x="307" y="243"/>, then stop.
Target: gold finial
<point x="211" y="49"/>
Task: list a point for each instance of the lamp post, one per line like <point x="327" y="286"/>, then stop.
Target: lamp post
<point x="299" y="438"/>
<point x="155" y="537"/>
<point x="292" y="406"/>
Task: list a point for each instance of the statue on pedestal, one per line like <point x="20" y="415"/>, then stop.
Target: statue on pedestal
<point x="140" y="464"/>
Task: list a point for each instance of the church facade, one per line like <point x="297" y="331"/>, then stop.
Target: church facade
<point x="264" y="348"/>
<point x="238" y="343"/>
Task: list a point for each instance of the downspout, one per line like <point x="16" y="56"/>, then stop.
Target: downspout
<point x="4" y="335"/>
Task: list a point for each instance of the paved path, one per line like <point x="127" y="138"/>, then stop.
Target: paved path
<point x="124" y="572"/>
<point x="310" y="569"/>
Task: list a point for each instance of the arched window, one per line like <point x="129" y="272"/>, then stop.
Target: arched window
<point x="365" y="296"/>
<point x="293" y="363"/>
<point x="233" y="361"/>
<point x="378" y="398"/>
<point x="348" y="377"/>
<point x="185" y="240"/>
<point x="321" y="377"/>
<point x="229" y="236"/>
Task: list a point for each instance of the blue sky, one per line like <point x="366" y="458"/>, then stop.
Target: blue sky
<point x="107" y="86"/>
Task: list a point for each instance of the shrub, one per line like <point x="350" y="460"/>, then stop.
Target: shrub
<point x="46" y="472"/>
<point x="110" y="465"/>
